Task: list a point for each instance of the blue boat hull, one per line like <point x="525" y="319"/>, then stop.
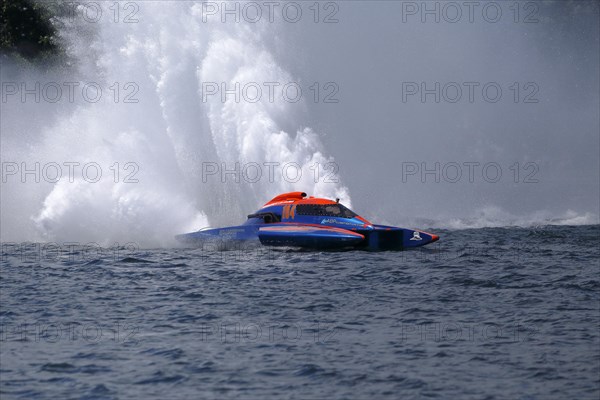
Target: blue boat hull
<point x="293" y="220"/>
<point x="378" y="239"/>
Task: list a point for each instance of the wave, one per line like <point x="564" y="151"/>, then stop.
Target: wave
<point x="495" y="217"/>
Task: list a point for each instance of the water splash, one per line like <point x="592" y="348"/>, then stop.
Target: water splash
<point x="167" y="137"/>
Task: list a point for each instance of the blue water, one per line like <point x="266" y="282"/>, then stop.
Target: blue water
<point x="484" y="313"/>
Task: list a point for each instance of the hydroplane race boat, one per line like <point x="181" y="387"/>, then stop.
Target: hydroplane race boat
<point x="295" y="220"/>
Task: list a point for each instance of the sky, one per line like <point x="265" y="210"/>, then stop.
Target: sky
<point x="542" y="134"/>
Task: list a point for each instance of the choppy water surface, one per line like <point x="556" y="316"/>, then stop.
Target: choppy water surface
<point x="484" y="313"/>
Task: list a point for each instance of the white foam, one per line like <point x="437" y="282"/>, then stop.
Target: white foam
<point x="496" y="217"/>
<point x="168" y="134"/>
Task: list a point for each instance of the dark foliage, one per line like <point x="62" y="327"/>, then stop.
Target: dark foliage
<point x="27" y="30"/>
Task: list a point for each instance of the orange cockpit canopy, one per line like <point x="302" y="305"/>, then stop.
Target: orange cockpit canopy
<point x="298" y="198"/>
<point x="291" y="196"/>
